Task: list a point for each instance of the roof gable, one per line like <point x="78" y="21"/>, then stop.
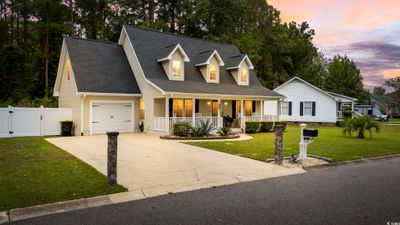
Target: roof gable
<point x="178" y="48"/>
<point x="310" y="85"/>
<point x="208" y="55"/>
<point x="236" y="61"/>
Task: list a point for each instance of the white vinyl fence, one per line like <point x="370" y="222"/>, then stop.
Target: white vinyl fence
<point x="20" y="122"/>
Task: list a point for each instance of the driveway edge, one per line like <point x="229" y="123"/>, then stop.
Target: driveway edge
<point x="350" y="162"/>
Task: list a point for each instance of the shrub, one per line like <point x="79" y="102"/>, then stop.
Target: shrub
<point x="361" y="124"/>
<point x="225" y="131"/>
<point x="196" y="132"/>
<point x="283" y="123"/>
<point x="181" y="128"/>
<point x="252" y="127"/>
<point x="206" y="127"/>
<point x="266" y="126"/>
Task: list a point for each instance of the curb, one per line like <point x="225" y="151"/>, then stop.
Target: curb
<point x="352" y="162"/>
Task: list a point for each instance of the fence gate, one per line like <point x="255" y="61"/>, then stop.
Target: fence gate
<point x="20" y="122"/>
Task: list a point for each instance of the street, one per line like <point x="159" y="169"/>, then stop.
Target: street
<point x="362" y="193"/>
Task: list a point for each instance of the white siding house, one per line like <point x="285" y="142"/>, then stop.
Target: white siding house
<point x="305" y="102"/>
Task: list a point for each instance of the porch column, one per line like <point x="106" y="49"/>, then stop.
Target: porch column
<point x="242" y="123"/>
<point x="193" y="112"/>
<point x="219" y="114"/>
<point x="278" y="110"/>
<point x="167" y="114"/>
<point x="262" y="107"/>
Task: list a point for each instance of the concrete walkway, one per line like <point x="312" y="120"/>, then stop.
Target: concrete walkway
<point x="149" y="166"/>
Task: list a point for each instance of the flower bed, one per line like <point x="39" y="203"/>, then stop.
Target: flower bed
<point x="172" y="137"/>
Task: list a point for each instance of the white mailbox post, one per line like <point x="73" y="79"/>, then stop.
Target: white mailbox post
<point x="303" y="143"/>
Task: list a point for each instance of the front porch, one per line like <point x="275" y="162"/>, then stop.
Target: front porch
<point x="232" y="113"/>
<point x="343" y="108"/>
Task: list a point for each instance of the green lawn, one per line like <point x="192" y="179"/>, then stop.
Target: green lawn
<point x="331" y="143"/>
<point x="33" y="171"/>
<point x="397" y="121"/>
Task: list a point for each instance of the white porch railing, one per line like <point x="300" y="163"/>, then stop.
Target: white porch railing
<point x="159" y="123"/>
<point x="173" y="120"/>
<point x="212" y="119"/>
<point x="339" y="115"/>
<point x="261" y="118"/>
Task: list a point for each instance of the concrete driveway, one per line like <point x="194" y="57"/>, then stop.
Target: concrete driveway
<point x="150" y="166"/>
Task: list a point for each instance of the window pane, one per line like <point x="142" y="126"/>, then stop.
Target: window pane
<point x="243" y="75"/>
<point x="307" y="108"/>
<point x="213" y="72"/>
<point x="285" y="108"/>
<point x="176" y="69"/>
<point x="248" y="108"/>
<point x="68" y="69"/>
<point x="178" y="107"/>
<point x="188" y="107"/>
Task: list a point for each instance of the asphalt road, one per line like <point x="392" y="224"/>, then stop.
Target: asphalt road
<point x="365" y="193"/>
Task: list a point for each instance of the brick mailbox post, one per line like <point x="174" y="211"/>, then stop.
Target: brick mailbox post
<point x="278" y="144"/>
<point x="112" y="157"/>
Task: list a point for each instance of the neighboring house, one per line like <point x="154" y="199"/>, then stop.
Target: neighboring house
<point x="158" y="78"/>
<point x="305" y="102"/>
<point x="387" y="104"/>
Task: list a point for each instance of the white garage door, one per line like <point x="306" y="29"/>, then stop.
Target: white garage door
<point x="112" y="117"/>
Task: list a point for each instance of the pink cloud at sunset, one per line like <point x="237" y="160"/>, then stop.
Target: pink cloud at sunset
<point x="368" y="31"/>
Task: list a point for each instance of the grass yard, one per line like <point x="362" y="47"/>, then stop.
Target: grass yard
<point x="33" y="171"/>
<point x="331" y="143"/>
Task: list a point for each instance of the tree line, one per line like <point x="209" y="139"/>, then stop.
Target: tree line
<point x="31" y="33"/>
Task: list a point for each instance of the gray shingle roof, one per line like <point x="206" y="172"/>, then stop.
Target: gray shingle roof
<point x="150" y="45"/>
<point x="234" y="61"/>
<point x="100" y="67"/>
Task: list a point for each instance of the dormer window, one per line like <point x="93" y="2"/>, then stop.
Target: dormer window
<point x="243" y="75"/>
<point x="174" y="62"/>
<point x="240" y="66"/>
<point x="210" y="62"/>
<point x="176" y="69"/>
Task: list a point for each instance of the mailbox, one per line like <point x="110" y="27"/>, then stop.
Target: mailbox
<point x="310" y="132"/>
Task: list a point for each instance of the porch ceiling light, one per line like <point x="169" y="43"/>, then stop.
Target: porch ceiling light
<point x="208" y="103"/>
<point x="225" y="103"/>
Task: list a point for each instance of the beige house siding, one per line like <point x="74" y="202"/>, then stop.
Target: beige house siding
<point x="68" y="96"/>
<point x="86" y="109"/>
<point x="149" y="92"/>
<point x="159" y="107"/>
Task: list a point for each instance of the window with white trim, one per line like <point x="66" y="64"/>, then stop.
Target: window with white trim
<point x="285" y="108"/>
<point x="243" y="72"/>
<point x="176" y="69"/>
<point x="307" y="108"/>
<point x="213" y="72"/>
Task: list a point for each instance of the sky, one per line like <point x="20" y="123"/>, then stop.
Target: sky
<point x="367" y="31"/>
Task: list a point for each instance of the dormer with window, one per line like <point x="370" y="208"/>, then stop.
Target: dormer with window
<point x="210" y="66"/>
<point x="174" y="62"/>
<point x="240" y="67"/>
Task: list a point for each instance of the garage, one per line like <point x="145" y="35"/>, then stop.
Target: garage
<point x="111" y="116"/>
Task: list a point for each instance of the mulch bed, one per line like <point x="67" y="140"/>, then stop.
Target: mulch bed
<point x="199" y="138"/>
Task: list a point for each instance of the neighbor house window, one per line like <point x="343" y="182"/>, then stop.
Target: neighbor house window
<point x="213" y="72"/>
<point x="68" y="69"/>
<point x="188" y="107"/>
<point x="243" y="75"/>
<point x="176" y="69"/>
<point x="285" y="108"/>
<point x="141" y="108"/>
<point x="307" y="108"/>
<point x="248" y="108"/>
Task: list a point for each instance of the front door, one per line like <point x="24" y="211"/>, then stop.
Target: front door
<point x="214" y="108"/>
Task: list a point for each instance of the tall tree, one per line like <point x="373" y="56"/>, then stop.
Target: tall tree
<point x="345" y="78"/>
<point x="379" y="91"/>
<point x="395" y="84"/>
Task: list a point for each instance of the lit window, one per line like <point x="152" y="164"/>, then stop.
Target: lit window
<point x="141" y="108"/>
<point x="178" y="107"/>
<point x="307" y="108"/>
<point x="285" y="108"/>
<point x="213" y="72"/>
<point x="243" y="75"/>
<point x="248" y="108"/>
<point x="176" y="69"/>
<point x="188" y="107"/>
<point x="68" y="69"/>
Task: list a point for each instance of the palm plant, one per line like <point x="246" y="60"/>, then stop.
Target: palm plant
<point x="361" y="124"/>
<point x="206" y="127"/>
<point x="196" y="132"/>
<point x="225" y="131"/>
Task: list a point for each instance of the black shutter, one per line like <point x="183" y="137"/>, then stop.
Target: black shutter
<point x="253" y="106"/>
<point x="290" y="108"/>
<point x="234" y="109"/>
<point x="301" y="108"/>
<point x="313" y="108"/>
<point x="171" y="106"/>
<point x="196" y="105"/>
